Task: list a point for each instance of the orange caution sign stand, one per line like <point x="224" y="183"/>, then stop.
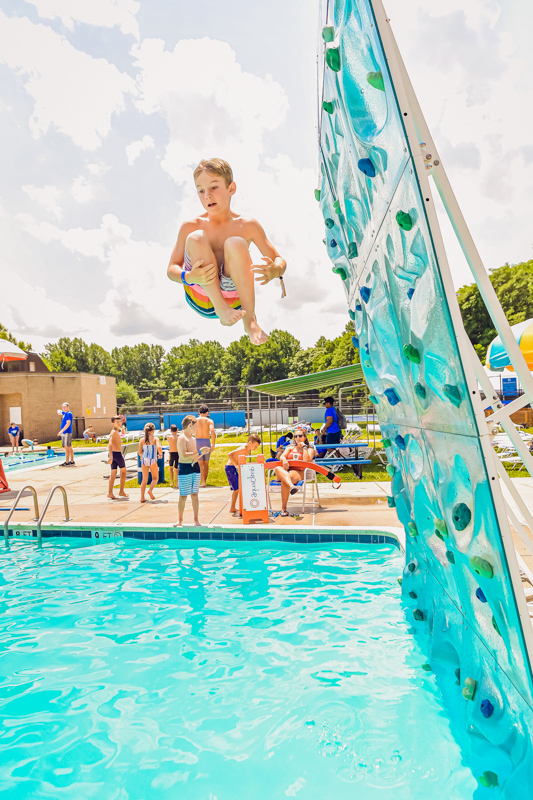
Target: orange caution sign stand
<point x="252" y="490"/>
<point x="3" y="480"/>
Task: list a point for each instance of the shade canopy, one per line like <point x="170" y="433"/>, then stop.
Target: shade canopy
<point x="497" y="358"/>
<point x="317" y="380"/>
<point x="11" y="352"/>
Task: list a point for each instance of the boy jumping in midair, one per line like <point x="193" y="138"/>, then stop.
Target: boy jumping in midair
<point x="212" y="250"/>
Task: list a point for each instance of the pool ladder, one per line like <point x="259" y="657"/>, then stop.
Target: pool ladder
<point x="38" y="518"/>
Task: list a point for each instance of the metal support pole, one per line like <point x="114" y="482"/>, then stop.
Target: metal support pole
<point x="248" y="408"/>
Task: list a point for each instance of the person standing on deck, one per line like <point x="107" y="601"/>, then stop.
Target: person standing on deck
<point x="205" y="437"/>
<point x="331" y="425"/>
<point x="66" y="435"/>
<point x="173" y="456"/>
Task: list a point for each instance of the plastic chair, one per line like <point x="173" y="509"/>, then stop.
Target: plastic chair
<point x="310" y="476"/>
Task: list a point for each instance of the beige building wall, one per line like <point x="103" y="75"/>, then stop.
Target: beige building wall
<point x="92" y="398"/>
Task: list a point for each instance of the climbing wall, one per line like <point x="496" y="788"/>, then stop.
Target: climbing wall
<point x="460" y="566"/>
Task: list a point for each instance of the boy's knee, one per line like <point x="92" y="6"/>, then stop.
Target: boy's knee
<point x="235" y="244"/>
<point x="197" y="237"/>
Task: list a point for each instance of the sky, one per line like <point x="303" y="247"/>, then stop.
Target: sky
<point x="106" y="107"/>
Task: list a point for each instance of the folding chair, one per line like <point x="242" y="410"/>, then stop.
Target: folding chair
<point x="310" y="476"/>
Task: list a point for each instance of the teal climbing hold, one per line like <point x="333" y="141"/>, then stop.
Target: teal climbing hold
<point x="439" y="535"/>
<point x="411" y="566"/>
<point x="453" y="394"/>
<point x="481" y="567"/>
<point x="367" y="363"/>
<point x="442" y="528"/>
<point x="413" y="530"/>
<point x="337" y="207"/>
<point x="469" y="689"/>
<point x="489" y="779"/>
<point x="328" y="33"/>
<point x="418" y="615"/>
<point x="404" y="220"/>
<point x="386" y="442"/>
<point x="458" y="676"/>
<point x="329" y="223"/>
<point x="420" y="391"/>
<point x="461" y="516"/>
<point x="391" y="502"/>
<point x="352" y="250"/>
<point x="373" y="399"/>
<point x="333" y="58"/>
<point x="327" y="106"/>
<point x="426" y="667"/>
<point x="390" y="470"/>
<point x="351" y="314"/>
<point x="450" y="556"/>
<point x="413" y="595"/>
<point x="495" y="625"/>
<point x="317" y="194"/>
<point x="375" y="79"/>
<point x="411" y="353"/>
<point x="340" y="271"/>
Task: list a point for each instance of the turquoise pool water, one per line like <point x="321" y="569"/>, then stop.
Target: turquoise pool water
<point x="15" y="462"/>
<point x="216" y="673"/>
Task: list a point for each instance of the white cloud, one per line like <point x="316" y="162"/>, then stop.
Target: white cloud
<point x="134" y="150"/>
<point x="104" y="13"/>
<point x="73" y="92"/>
<point x="47" y="197"/>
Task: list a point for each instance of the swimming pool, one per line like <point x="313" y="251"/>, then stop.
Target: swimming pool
<point x="210" y="670"/>
<point x="30" y="460"/>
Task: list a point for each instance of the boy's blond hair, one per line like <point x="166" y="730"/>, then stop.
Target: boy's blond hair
<point x="254" y="438"/>
<point x="217" y="166"/>
<point x="187" y="421"/>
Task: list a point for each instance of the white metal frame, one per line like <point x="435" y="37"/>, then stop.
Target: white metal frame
<point x="427" y="161"/>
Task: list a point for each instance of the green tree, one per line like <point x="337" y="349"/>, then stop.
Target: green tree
<point x="245" y="364"/>
<point x="514" y="288"/>
<point x="127" y="395"/>
<point x="194" y="364"/>
<point x="4" y="334"/>
<point x="142" y="362"/>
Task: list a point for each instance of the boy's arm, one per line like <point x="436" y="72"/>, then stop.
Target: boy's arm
<point x="275" y="265"/>
<point x="213" y="435"/>
<point x="233" y="456"/>
<point x="202" y="274"/>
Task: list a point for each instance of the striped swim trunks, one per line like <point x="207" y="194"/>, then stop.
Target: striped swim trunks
<point x="189" y="484"/>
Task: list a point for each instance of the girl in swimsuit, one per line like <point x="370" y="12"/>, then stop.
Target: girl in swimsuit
<point x="149" y="451"/>
<point x="301" y="450"/>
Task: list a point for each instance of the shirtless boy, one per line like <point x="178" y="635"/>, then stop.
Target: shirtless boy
<point x="212" y="250"/>
<point x="205" y="437"/>
<point x="116" y="459"/>
<point x="173" y="460"/>
<point x="232" y="467"/>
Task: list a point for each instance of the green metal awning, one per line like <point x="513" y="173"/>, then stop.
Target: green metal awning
<point x="318" y="380"/>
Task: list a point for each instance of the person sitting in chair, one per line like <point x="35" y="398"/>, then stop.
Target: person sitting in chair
<point x="302" y="451"/>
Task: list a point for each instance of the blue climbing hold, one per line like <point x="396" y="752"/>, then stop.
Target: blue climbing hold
<point x="358" y="307"/>
<point x="367" y="167"/>
<point x="365" y="293"/>
<point x="391" y="396"/>
<point x="367" y="349"/>
<point x="355" y="341"/>
<point x="480" y="596"/>
<point x="410" y="292"/>
<point x="333" y="243"/>
<point x="400" y="442"/>
<point x="487" y="709"/>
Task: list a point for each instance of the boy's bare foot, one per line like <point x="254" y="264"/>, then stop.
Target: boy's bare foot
<point x="197" y="523"/>
<point x="111" y="496"/>
<point x="229" y="316"/>
<point x="178" y="524"/>
<point x="124" y="495"/>
<point x="255" y="333"/>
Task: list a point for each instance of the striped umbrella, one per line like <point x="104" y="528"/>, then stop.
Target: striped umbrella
<point x="497" y="358"/>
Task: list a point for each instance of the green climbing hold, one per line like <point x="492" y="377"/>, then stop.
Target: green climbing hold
<point x="373" y="399"/>
<point x="352" y="250"/>
<point x="375" y="79"/>
<point x="400" y="581"/>
<point x="495" y="625"/>
<point x="327" y="106"/>
<point x="481" y="567"/>
<point x="453" y="394"/>
<point x="450" y="556"/>
<point x="328" y="33"/>
<point x="441" y="527"/>
<point x="391" y="502"/>
<point x="337" y="207"/>
<point x="461" y="516"/>
<point x="420" y="391"/>
<point x="413" y="595"/>
<point x="426" y="667"/>
<point x="489" y="779"/>
<point x="418" y="615"/>
<point x="413" y="530"/>
<point x="404" y="220"/>
<point x="458" y="676"/>
<point x="340" y="271"/>
<point x="333" y="58"/>
<point x="469" y="689"/>
<point x="386" y="442"/>
<point x="411" y="353"/>
<point x="328" y="222"/>
<point x="390" y="469"/>
<point x="439" y="535"/>
<point x="317" y="194"/>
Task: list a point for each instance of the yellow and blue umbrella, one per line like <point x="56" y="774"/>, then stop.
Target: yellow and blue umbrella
<point x="497" y="358"/>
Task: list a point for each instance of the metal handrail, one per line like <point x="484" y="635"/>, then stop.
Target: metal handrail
<point x="47" y="503"/>
<point x="14" y="506"/>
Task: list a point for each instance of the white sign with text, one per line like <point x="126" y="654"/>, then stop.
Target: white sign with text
<point x="253" y="487"/>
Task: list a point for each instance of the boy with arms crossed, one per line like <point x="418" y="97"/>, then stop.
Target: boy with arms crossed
<point x="116" y="459"/>
<point x="232" y="467"/>
<point x="188" y="469"/>
<point x="212" y="250"/>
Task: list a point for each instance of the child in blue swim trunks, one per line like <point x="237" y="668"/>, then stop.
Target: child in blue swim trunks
<point x="232" y="467"/>
<point x="212" y="250"/>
